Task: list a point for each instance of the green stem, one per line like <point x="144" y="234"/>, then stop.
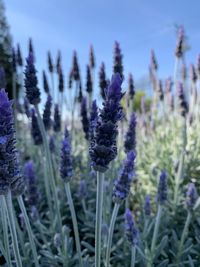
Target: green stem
<point x="28" y="227"/>
<point x="74" y="221"/>
<point x="133" y="254"/>
<point x="50" y="167"/>
<point x="110" y="235"/>
<point x="184" y="234"/>
<point x="156" y="228"/>
<point x="4" y="216"/>
<point x="99" y="208"/>
<point x="13" y="229"/>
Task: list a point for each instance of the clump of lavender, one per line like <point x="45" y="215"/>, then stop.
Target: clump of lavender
<point x="57" y="119"/>
<point x="88" y="80"/>
<point x="27" y="107"/>
<point x="131" y="87"/>
<point x="45" y="82"/>
<point x="47" y="113"/>
<point x="180" y="43"/>
<point x="103" y="148"/>
<point x="93" y="119"/>
<point x="75" y="67"/>
<point x="2" y="78"/>
<point x="118" y="65"/>
<point x="191" y="196"/>
<point x="50" y="62"/>
<point x="32" y="91"/>
<point x="153" y="61"/>
<point x="132" y="232"/>
<point x="19" y="56"/>
<point x="84" y="117"/>
<point x="10" y="176"/>
<point x="31" y="184"/>
<point x="162" y="188"/>
<point x="193" y="74"/>
<point x="122" y="184"/>
<point x="66" y="170"/>
<point x="102" y="80"/>
<point x="92" y="58"/>
<point x="35" y="130"/>
<point x="130" y="138"/>
<point x="61" y="80"/>
<point x="182" y="101"/>
<point x="147" y="205"/>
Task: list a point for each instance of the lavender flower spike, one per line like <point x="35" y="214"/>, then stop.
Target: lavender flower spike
<point x="50" y="63"/>
<point x="31" y="82"/>
<point x="47" y="113"/>
<point x="130" y="138"/>
<point x="162" y="188"/>
<point x="118" y="66"/>
<point x="191" y="196"/>
<point x="45" y="82"/>
<point x="180" y="43"/>
<point x="35" y="130"/>
<point x="147" y="205"/>
<point x="131" y="87"/>
<point x="102" y="80"/>
<point x="182" y="101"/>
<point x="92" y="57"/>
<point x="123" y="183"/>
<point x="30" y="178"/>
<point x="66" y="170"/>
<point x="10" y="176"/>
<point x="88" y="80"/>
<point x="132" y="232"/>
<point x="57" y="119"/>
<point x="84" y="117"/>
<point x="61" y="80"/>
<point x="103" y="148"/>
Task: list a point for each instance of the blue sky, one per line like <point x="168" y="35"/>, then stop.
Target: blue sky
<point x="138" y="25"/>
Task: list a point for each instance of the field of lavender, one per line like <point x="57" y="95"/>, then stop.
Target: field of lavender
<point x="101" y="183"/>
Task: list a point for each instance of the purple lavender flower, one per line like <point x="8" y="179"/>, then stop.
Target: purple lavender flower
<point x="93" y="119"/>
<point x="88" y="80"/>
<point x="132" y="232"/>
<point x="118" y="66"/>
<point x="19" y="56"/>
<point x="153" y="62"/>
<point x="193" y="74"/>
<point x="45" y="82"/>
<point x="50" y="63"/>
<point x="2" y="78"/>
<point x="66" y="170"/>
<point x="182" y="101"/>
<point x="103" y="148"/>
<point x="191" y="196"/>
<point x="27" y="107"/>
<point x="102" y="80"/>
<point x="31" y="183"/>
<point x="70" y="79"/>
<point x="58" y="62"/>
<point x="30" y="49"/>
<point x="131" y="87"/>
<point x="47" y="113"/>
<point x="61" y="81"/>
<point x="82" y="192"/>
<point x="31" y="82"/>
<point x="57" y="119"/>
<point x="162" y="188"/>
<point x="35" y="130"/>
<point x="180" y="43"/>
<point x="75" y="67"/>
<point x="10" y="176"/>
<point x="84" y="117"/>
<point x="80" y="93"/>
<point x="13" y="60"/>
<point x="122" y="184"/>
<point x="92" y="58"/>
<point x="130" y="138"/>
<point x="147" y="206"/>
